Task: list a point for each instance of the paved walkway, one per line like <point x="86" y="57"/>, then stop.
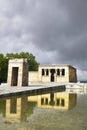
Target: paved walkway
<point x="32" y="89"/>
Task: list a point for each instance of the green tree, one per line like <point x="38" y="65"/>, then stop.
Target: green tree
<point x="3" y="68"/>
<point x="33" y="64"/>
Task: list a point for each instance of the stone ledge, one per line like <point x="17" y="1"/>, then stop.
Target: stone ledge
<point x="6" y="91"/>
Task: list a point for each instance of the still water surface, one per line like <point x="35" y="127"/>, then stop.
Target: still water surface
<point x="52" y="111"/>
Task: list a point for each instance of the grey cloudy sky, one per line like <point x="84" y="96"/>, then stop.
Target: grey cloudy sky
<point x="55" y="31"/>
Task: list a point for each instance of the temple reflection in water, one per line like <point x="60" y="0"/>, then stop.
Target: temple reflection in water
<point x="19" y="108"/>
<point x="16" y="109"/>
<point x="62" y="101"/>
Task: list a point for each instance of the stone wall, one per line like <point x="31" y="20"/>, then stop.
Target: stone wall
<point x="33" y="76"/>
<point x="72" y="74"/>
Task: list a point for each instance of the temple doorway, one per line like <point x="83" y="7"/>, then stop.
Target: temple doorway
<point x="14" y="81"/>
<point x="52" y="78"/>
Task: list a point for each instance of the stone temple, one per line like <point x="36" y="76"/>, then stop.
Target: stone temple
<point x="18" y="74"/>
<point x="53" y="73"/>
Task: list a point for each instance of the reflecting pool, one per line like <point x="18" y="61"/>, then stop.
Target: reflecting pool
<point x="50" y="111"/>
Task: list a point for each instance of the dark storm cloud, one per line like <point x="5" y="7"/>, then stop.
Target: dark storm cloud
<point x="54" y="30"/>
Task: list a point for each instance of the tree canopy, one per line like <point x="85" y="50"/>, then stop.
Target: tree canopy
<point x="33" y="64"/>
<point x="3" y="68"/>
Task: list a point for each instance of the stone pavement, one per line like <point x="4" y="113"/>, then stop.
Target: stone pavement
<point x="6" y="91"/>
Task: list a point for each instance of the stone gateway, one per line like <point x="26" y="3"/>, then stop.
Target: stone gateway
<point x="17" y="72"/>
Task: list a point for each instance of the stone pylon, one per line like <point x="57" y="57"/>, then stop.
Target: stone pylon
<point x="17" y="72"/>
